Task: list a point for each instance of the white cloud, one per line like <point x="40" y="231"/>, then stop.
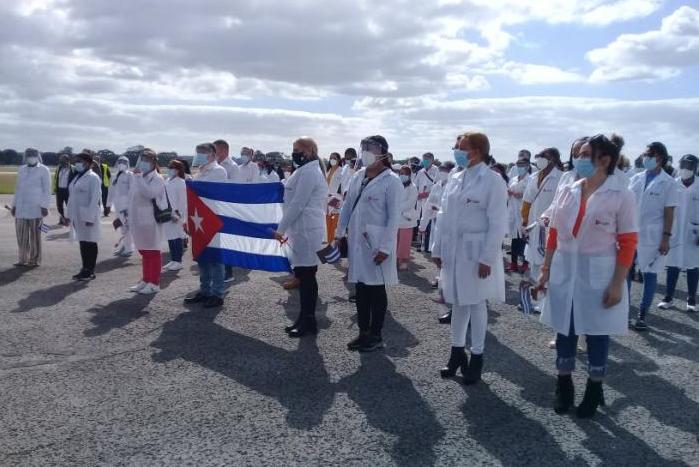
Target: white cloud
<point x="653" y="55"/>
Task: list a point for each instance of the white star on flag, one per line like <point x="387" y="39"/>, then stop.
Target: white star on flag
<point x="197" y="221"/>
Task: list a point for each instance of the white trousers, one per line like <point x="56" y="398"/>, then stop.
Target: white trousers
<point x="478" y="316"/>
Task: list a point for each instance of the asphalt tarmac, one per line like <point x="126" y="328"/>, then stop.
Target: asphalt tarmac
<point x="91" y="374"/>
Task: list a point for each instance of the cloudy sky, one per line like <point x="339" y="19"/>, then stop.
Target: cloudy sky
<point x="172" y="73"/>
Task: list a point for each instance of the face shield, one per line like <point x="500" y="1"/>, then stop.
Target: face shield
<point x="146" y="164"/>
<point x="122" y="164"/>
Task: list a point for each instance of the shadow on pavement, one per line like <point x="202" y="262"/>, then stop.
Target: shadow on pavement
<point x="48" y="297"/>
<point x="115" y="262"/>
<point x="8" y="276"/>
<point x="297" y="379"/>
<point x="391" y="404"/>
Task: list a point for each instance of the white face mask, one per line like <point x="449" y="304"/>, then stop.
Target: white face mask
<point x="686" y="174"/>
<point x="541" y="163"/>
<point x="32" y="160"/>
<point x="333" y="162"/>
<point x="404" y="178"/>
<point x="368" y="158"/>
<point x="172" y="172"/>
<point x="287" y="174"/>
<point x="122" y="167"/>
<point x="244" y="159"/>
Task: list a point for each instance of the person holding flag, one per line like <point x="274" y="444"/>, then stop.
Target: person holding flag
<point x="302" y="227"/>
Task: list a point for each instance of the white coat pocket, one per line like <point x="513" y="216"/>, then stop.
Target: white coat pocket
<point x="558" y="270"/>
<point x="601" y="271"/>
<point x="373" y="237"/>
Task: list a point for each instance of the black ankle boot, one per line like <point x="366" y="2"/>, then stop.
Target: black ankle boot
<point x="288" y="329"/>
<point x="565" y="394"/>
<point x="446" y="318"/>
<point x="457" y="358"/>
<point x="472" y="372"/>
<point x="593" y="398"/>
<point x="306" y="326"/>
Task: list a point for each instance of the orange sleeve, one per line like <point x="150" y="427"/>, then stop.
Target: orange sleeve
<point x="526" y="207"/>
<point x="627" y="248"/>
<point x="552" y="240"/>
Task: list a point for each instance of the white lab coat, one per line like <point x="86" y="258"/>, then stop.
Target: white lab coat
<point x="540" y="196"/>
<point x="651" y="202"/>
<point x="84" y="197"/>
<point x="303" y="221"/>
<point x="583" y="266"/>
<point x="230" y="167"/>
<point x="32" y="192"/>
<point x="335" y="181"/>
<point x="147" y="233"/>
<point x="346" y="178"/>
<point x="248" y="173"/>
<point x="431" y="206"/>
<point x="118" y="196"/>
<point x="686" y="254"/>
<point x="176" y="189"/>
<point x="271" y="177"/>
<point x="408" y="207"/>
<point x="372" y="226"/>
<point x="424" y="184"/>
<point x="514" y="204"/>
<point x="472" y="225"/>
<point x="213" y="172"/>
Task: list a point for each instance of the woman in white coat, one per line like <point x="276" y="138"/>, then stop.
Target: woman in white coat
<point x="515" y="192"/>
<point x="148" y="190"/>
<point x="83" y="211"/>
<point x="657" y="196"/>
<point x="118" y="198"/>
<point x="686" y="254"/>
<point x="538" y="196"/>
<point x="408" y="217"/>
<point x="590" y="248"/>
<point x="370" y="218"/>
<point x="334" y="201"/>
<point x="174" y="231"/>
<point x="472" y="226"/>
<point x="303" y="226"/>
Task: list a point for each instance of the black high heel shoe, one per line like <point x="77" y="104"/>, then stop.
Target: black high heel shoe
<point x="593" y="398"/>
<point x="457" y="359"/>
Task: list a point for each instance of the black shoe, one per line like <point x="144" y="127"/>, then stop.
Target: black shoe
<point x="77" y="276"/>
<point x="446" y="318"/>
<point x="357" y="342"/>
<point x="457" y="358"/>
<point x="304" y="328"/>
<point x="565" y="394"/>
<point x="640" y="325"/>
<point x="472" y="372"/>
<point x="85" y="276"/>
<point x="435" y="284"/>
<point x="593" y="398"/>
<point x="288" y="329"/>
<point x="352" y="298"/>
<point x="213" y="302"/>
<point x="198" y="298"/>
<point x="371" y="344"/>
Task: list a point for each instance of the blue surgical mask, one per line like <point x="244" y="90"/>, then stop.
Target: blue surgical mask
<point x="405" y="179"/>
<point x="200" y="159"/>
<point x="244" y="159"/>
<point x="461" y="157"/>
<point x="585" y="168"/>
<point x="650" y="163"/>
<point x="144" y="166"/>
<point x="522" y="170"/>
<point x="79" y="166"/>
<point x="172" y="172"/>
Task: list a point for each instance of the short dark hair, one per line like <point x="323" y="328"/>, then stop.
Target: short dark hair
<point x="527" y="152"/>
<point x="603" y="146"/>
<point x="221" y="142"/>
<point x="579" y="141"/>
<point x="377" y="140"/>
<point x="351" y="151"/>
<point x="208" y="146"/>
<point x="428" y="155"/>
<point x="554" y="155"/>
<point x="86" y="156"/>
<point x="660" y="149"/>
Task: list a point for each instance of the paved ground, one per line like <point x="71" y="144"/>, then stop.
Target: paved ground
<point x="92" y="375"/>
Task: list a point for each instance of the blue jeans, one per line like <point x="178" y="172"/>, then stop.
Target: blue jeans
<point x="176" y="249"/>
<point x="673" y="274"/>
<point x="650" y="283"/>
<point x="597" y="352"/>
<point x="211" y="279"/>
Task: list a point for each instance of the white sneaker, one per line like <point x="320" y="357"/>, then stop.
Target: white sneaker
<point x="664" y="305"/>
<point x="137" y="288"/>
<point x="149" y="289"/>
<point x="228" y="280"/>
<point x="691" y="307"/>
<point x="175" y="266"/>
<point x="552" y="344"/>
<point x="167" y="266"/>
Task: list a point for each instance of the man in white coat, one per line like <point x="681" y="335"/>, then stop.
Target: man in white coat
<point x="657" y="196"/>
<point x="467" y="248"/>
<point x="30" y="205"/>
<point x="118" y="198"/>
<point x="370" y="219"/>
<point x="348" y="169"/>
<point x="424" y="180"/>
<point x="232" y="171"/>
<point x="248" y="171"/>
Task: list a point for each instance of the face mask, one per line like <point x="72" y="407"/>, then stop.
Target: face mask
<point x="172" y="172"/>
<point x="443" y="176"/>
<point x="461" y="157"/>
<point x="425" y="163"/>
<point x="368" y="158"/>
<point x="32" y="160"/>
<point x="79" y="166"/>
<point x="333" y="162"/>
<point x="244" y="159"/>
<point x="650" y="163"/>
<point x="522" y="171"/>
<point x="287" y="175"/>
<point x="585" y="168"/>
<point x="405" y="179"/>
<point x="686" y="174"/>
<point x="541" y="163"/>
<point x="122" y="167"/>
<point x="299" y="158"/>
<point x="200" y="159"/>
<point x="145" y="167"/>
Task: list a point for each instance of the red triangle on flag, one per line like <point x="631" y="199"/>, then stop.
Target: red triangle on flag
<point x="203" y="223"/>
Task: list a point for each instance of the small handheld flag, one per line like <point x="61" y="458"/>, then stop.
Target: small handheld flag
<point x="330" y="254"/>
<point x="525" y="297"/>
<point x="44" y="228"/>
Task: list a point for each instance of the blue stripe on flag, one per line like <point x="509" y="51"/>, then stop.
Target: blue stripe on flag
<point x="241" y="193"/>
<point x="235" y="226"/>
<point x="245" y="260"/>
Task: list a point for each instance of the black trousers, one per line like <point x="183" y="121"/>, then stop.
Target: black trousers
<point x="517" y="249"/>
<point x="372" y="303"/>
<point x="61" y="200"/>
<point x="88" y="253"/>
<point x="105" y="192"/>
<point x="426" y="238"/>
<point x="308" y="292"/>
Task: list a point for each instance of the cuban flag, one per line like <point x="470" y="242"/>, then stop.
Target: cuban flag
<point x="232" y="224"/>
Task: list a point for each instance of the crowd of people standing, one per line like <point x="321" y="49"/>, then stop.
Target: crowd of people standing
<point x="578" y="232"/>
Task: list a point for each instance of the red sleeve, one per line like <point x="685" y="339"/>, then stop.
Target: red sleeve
<point x="552" y="240"/>
<point x="627" y="248"/>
